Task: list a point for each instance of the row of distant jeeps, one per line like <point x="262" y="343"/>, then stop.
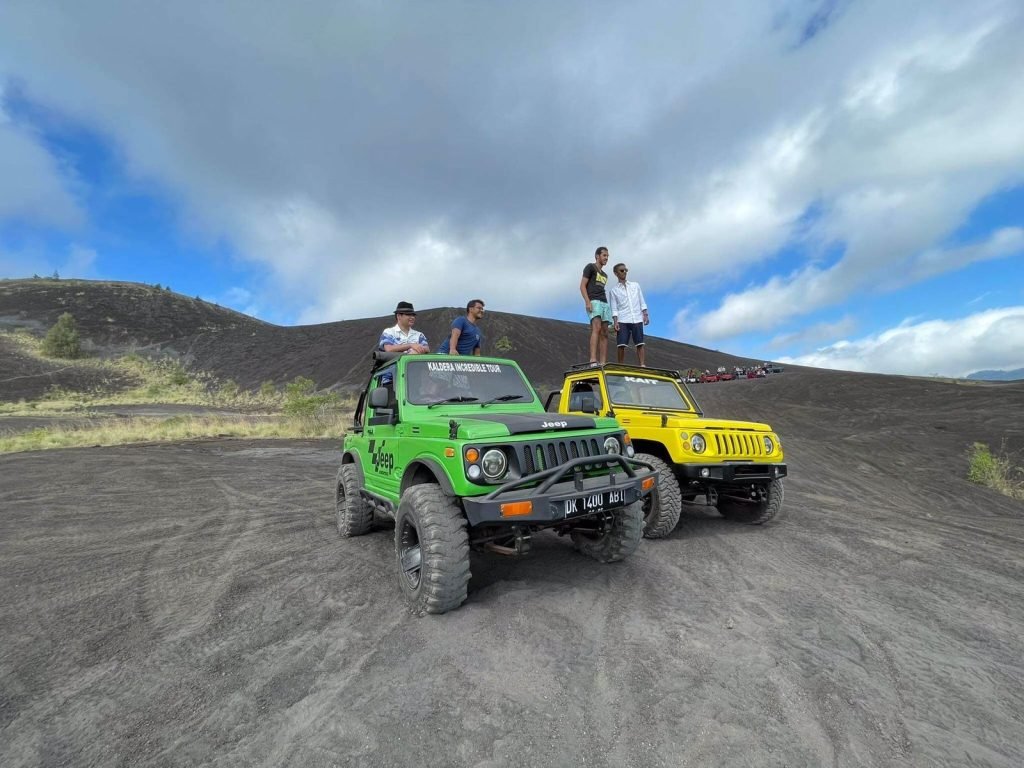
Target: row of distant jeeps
<point x="462" y="454"/>
<point x="695" y="376"/>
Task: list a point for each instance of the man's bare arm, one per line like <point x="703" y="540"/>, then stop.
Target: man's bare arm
<point x="583" y="293"/>
<point x="453" y="348"/>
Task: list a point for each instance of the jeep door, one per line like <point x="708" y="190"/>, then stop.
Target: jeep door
<point x="380" y="471"/>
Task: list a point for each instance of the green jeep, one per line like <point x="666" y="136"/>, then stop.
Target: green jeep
<point x="737" y="466"/>
<point x="460" y="453"/>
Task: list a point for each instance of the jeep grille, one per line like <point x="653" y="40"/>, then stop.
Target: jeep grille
<point x="536" y="457"/>
<point x="739" y="444"/>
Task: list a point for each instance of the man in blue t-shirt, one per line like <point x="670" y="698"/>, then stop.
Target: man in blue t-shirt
<point x="465" y="337"/>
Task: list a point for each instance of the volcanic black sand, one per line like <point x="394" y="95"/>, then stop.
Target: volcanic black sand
<point x="193" y="604"/>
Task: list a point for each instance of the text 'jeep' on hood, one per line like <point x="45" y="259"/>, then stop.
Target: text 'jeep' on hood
<point x="460" y="453"/>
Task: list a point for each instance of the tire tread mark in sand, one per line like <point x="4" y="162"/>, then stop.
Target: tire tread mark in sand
<point x="229" y="583"/>
<point x="202" y="599"/>
<point x="603" y="712"/>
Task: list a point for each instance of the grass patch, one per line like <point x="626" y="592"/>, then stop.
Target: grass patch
<point x="160" y="381"/>
<point x="297" y="410"/>
<point x="324" y="424"/>
<point x="996" y="471"/>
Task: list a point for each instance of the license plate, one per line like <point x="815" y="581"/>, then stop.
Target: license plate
<point x="595" y="502"/>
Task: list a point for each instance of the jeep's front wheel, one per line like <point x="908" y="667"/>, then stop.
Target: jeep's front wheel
<point x="663" y="505"/>
<point x="352" y="513"/>
<point x="753" y="512"/>
<point x="432" y="550"/>
<point x="617" y="537"/>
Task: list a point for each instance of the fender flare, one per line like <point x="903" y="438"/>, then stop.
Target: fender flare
<point x="434" y="467"/>
<point x="351" y="457"/>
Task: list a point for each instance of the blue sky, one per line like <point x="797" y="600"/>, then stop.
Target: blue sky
<point x="832" y="183"/>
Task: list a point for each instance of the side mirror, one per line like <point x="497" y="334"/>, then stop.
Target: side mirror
<point x="379" y="398"/>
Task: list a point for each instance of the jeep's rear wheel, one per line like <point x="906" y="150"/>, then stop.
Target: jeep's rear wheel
<point x="351" y="511"/>
<point x="753" y="512"/>
<point x="432" y="550"/>
<point x="617" y="537"/>
<point x="663" y="505"/>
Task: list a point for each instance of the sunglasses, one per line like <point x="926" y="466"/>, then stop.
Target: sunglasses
<point x="623" y="270"/>
<point x="409" y="314"/>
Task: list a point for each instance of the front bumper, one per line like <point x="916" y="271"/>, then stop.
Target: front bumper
<point x="732" y="472"/>
<point x="556" y="498"/>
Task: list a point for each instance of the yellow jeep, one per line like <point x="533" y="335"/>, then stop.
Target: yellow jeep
<point x="737" y="466"/>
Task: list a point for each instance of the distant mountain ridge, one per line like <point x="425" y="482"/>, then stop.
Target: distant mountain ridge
<point x="1013" y="375"/>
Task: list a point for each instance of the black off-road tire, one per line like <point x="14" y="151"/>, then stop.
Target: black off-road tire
<point x="663" y="505"/>
<point x="619" y="540"/>
<point x="431" y="550"/>
<point x="750" y="512"/>
<point x="352" y="512"/>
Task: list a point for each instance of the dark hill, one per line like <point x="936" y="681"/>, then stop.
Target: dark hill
<point x="114" y="317"/>
<point x="933" y="420"/>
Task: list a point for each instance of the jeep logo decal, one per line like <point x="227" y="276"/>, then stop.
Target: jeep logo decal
<point x="554" y="424"/>
<point x="383" y="461"/>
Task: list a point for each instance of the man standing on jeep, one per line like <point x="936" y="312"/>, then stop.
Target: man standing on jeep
<point x="595" y="300"/>
<point x="629" y="313"/>
<point x="465" y="338"/>
<point x="401" y="337"/>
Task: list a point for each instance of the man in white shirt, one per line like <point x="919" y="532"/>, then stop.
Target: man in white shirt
<point x="629" y="314"/>
<point x="402" y="337"/>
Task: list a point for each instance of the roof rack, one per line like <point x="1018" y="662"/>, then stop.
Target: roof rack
<point x="623" y="367"/>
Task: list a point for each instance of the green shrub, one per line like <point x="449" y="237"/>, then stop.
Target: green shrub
<point x="177" y="374"/>
<point x="267" y="390"/>
<point x="228" y="391"/>
<point x="996" y="472"/>
<point x="503" y="345"/>
<point x="301" y="400"/>
<point x="62" y="339"/>
<point x="299" y="387"/>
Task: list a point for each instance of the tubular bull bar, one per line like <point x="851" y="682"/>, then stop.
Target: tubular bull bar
<point x="556" y="498"/>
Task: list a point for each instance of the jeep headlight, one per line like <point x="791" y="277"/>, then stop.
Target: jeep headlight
<point x="611" y="445"/>
<point x="769" y="445"/>
<point x="629" y="446"/>
<point x="494" y="463"/>
<point x="698" y="444"/>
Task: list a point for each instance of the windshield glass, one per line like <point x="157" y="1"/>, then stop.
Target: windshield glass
<point x="465" y="381"/>
<point x="643" y="392"/>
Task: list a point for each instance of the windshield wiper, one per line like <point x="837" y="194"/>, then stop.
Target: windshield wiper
<point x="501" y="399"/>
<point x="456" y="399"/>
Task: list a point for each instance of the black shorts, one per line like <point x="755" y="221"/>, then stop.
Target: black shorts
<point x="628" y="330"/>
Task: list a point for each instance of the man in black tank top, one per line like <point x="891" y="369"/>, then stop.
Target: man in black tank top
<point x="595" y="299"/>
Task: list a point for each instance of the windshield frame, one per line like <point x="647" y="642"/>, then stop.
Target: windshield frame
<point x="686" y="402"/>
<point x="452" y="376"/>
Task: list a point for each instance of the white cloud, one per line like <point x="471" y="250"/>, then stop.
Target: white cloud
<point x="33" y="187"/>
<point x="240" y="299"/>
<point x="987" y="340"/>
<point x="78" y="262"/>
<point x="365" y="153"/>
<point x="814" y="334"/>
<point x="783" y="298"/>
